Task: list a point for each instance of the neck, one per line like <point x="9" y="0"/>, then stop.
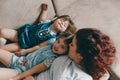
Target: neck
<point x="53" y="29"/>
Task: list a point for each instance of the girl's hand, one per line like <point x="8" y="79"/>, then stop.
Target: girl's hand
<point x="44" y="6"/>
<point x="20" y="52"/>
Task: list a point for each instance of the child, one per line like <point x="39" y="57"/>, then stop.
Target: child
<point x="31" y="37"/>
<point x="42" y="58"/>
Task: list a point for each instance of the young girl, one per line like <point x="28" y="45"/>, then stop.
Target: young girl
<point x="31" y="37"/>
<point x="43" y="58"/>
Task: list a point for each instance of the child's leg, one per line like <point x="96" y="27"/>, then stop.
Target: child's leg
<point x="10" y="34"/>
<point x="5" y="57"/>
<point x="10" y="47"/>
<point x="6" y="73"/>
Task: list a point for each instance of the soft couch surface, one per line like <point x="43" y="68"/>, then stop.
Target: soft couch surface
<point x="15" y="13"/>
<point x="101" y="14"/>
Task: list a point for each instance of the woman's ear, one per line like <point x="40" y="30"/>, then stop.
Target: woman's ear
<point x="80" y="57"/>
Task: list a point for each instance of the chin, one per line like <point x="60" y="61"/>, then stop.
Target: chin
<point x="69" y="56"/>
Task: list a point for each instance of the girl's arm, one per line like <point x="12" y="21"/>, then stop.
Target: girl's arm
<point x="43" y="14"/>
<point x="36" y="69"/>
<point x="29" y="50"/>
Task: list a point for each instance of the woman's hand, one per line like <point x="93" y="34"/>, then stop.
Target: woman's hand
<point x="29" y="78"/>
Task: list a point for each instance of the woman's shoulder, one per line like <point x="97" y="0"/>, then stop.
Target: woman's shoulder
<point x="80" y="72"/>
<point x="62" y="59"/>
<point x="67" y="66"/>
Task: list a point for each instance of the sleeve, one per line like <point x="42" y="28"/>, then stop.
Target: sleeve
<point x="49" y="61"/>
<point x="51" y="41"/>
<point x="45" y="21"/>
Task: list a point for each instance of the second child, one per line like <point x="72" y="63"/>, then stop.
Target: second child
<point x="35" y="62"/>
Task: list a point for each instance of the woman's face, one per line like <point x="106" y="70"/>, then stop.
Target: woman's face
<point x="73" y="54"/>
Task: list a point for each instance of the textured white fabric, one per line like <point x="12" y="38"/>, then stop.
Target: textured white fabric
<point x="64" y="69"/>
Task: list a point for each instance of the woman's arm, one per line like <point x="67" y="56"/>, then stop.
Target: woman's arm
<point x="36" y="69"/>
<point x="29" y="78"/>
<point x="43" y="14"/>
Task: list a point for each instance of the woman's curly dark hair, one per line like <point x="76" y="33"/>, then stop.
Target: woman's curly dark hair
<point x="97" y="50"/>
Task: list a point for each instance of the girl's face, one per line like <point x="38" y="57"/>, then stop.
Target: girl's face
<point x="60" y="25"/>
<point x="60" y="47"/>
<point x="73" y="54"/>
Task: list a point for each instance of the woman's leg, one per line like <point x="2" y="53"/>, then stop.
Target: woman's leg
<point x="10" y="34"/>
<point x="6" y="73"/>
<point x="5" y="57"/>
<point x="10" y="47"/>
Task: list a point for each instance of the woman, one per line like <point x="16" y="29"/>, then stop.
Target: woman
<point x="91" y="51"/>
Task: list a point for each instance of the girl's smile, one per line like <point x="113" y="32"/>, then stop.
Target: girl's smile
<point x="60" y="25"/>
